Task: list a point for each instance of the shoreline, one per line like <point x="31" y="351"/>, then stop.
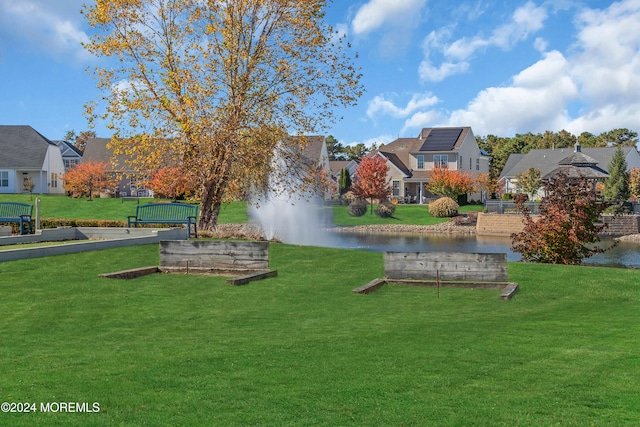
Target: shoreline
<point x="254" y="231"/>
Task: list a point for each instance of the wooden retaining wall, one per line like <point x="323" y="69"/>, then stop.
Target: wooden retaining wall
<point x="450" y="266"/>
<point x="220" y="255"/>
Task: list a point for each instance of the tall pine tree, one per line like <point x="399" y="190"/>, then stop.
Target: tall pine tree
<point x="345" y="180"/>
<point x="616" y="187"/>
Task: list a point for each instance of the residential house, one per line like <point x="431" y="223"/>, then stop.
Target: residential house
<point x="129" y="182"/>
<point x="586" y="163"/>
<point x="25" y="153"/>
<point x="71" y="156"/>
<point x="411" y="159"/>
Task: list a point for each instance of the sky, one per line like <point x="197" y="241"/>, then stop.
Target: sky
<point x="502" y="67"/>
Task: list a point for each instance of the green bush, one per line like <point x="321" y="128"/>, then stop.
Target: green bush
<point x="507" y="196"/>
<point x="357" y="208"/>
<point x="385" y="210"/>
<point x="443" y="207"/>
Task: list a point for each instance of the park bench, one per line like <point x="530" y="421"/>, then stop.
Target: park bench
<point x="456" y="269"/>
<point x="166" y="213"/>
<point x="17" y="213"/>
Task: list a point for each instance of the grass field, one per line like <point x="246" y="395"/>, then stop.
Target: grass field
<point x="235" y="212"/>
<point x="302" y="350"/>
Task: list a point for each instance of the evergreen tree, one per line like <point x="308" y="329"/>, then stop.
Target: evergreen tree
<point x="616" y="187"/>
<point x="345" y="180"/>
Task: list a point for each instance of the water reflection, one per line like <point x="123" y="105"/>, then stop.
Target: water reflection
<point x="625" y="254"/>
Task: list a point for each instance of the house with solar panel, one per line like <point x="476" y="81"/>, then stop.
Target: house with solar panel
<point x="411" y="159"/>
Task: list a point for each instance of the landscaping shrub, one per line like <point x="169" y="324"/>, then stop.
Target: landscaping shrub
<point x="443" y="207"/>
<point x="347" y="198"/>
<point x="507" y="196"/>
<point x="357" y="208"/>
<point x="385" y="210"/>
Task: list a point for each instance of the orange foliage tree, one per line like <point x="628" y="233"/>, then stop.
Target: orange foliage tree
<point x="172" y="183"/>
<point x="85" y="177"/>
<point x="370" y="179"/>
<point x="449" y="183"/>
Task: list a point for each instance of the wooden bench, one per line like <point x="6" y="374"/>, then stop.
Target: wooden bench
<point x="17" y="213"/>
<point x="166" y="213"/>
<point x="246" y="261"/>
<point x="457" y="269"/>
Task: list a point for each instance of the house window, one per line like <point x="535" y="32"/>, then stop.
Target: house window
<point x="460" y="163"/>
<point x="4" y="178"/>
<point x="420" y="159"/>
<point x="477" y="164"/>
<point x="469" y="163"/>
<point x="68" y="163"/>
<point x="396" y="188"/>
<point x="441" y="160"/>
<point x="54" y="180"/>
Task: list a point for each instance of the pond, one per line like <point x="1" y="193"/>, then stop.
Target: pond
<point x="625" y="254"/>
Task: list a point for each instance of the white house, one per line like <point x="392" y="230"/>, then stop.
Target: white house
<point x="26" y="153"/>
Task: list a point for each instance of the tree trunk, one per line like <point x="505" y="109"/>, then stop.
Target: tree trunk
<point x="210" y="204"/>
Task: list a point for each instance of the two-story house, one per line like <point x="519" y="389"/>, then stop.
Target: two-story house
<point x="411" y="159"/>
<point x="24" y="154"/>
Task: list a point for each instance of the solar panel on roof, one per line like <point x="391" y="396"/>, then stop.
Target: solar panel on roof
<point x="441" y="139"/>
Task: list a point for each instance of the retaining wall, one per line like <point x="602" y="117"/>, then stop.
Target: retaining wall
<point x="506" y="224"/>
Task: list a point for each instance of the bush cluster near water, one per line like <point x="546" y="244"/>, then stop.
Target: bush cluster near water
<point x="357" y="208"/>
<point x="385" y="210"/>
<point x="443" y="207"/>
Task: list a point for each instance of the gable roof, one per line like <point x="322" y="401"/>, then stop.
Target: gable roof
<point x="68" y="149"/>
<point x="549" y="159"/>
<point x="22" y="147"/>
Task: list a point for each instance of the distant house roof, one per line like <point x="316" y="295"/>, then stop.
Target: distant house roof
<point x="548" y="160"/>
<point x="22" y="147"/>
<point x="68" y="149"/>
<point x="96" y="150"/>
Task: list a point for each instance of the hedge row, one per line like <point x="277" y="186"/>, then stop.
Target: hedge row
<point x="63" y="222"/>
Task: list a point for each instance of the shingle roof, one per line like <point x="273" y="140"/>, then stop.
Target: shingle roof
<point x="548" y="159"/>
<point x="22" y="147"/>
<point x="96" y="150"/>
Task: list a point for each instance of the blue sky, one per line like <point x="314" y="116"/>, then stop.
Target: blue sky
<point x="501" y="67"/>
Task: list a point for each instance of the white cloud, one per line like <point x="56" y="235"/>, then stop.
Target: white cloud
<point x="536" y="101"/>
<point x="380" y="139"/>
<point x="421" y="120"/>
<point x="381" y="106"/>
<point x="524" y="22"/>
<point x="54" y="26"/>
<point x="377" y="13"/>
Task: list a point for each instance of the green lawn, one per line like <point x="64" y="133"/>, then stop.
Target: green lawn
<point x="302" y="350"/>
<point x="107" y="209"/>
<point x="235" y="212"/>
<point x="404" y="214"/>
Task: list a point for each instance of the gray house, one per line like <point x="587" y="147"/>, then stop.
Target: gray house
<point x="25" y="153"/>
<point x="587" y="163"/>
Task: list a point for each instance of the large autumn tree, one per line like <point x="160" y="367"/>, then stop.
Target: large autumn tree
<point x="370" y="179"/>
<point x="217" y="86"/>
